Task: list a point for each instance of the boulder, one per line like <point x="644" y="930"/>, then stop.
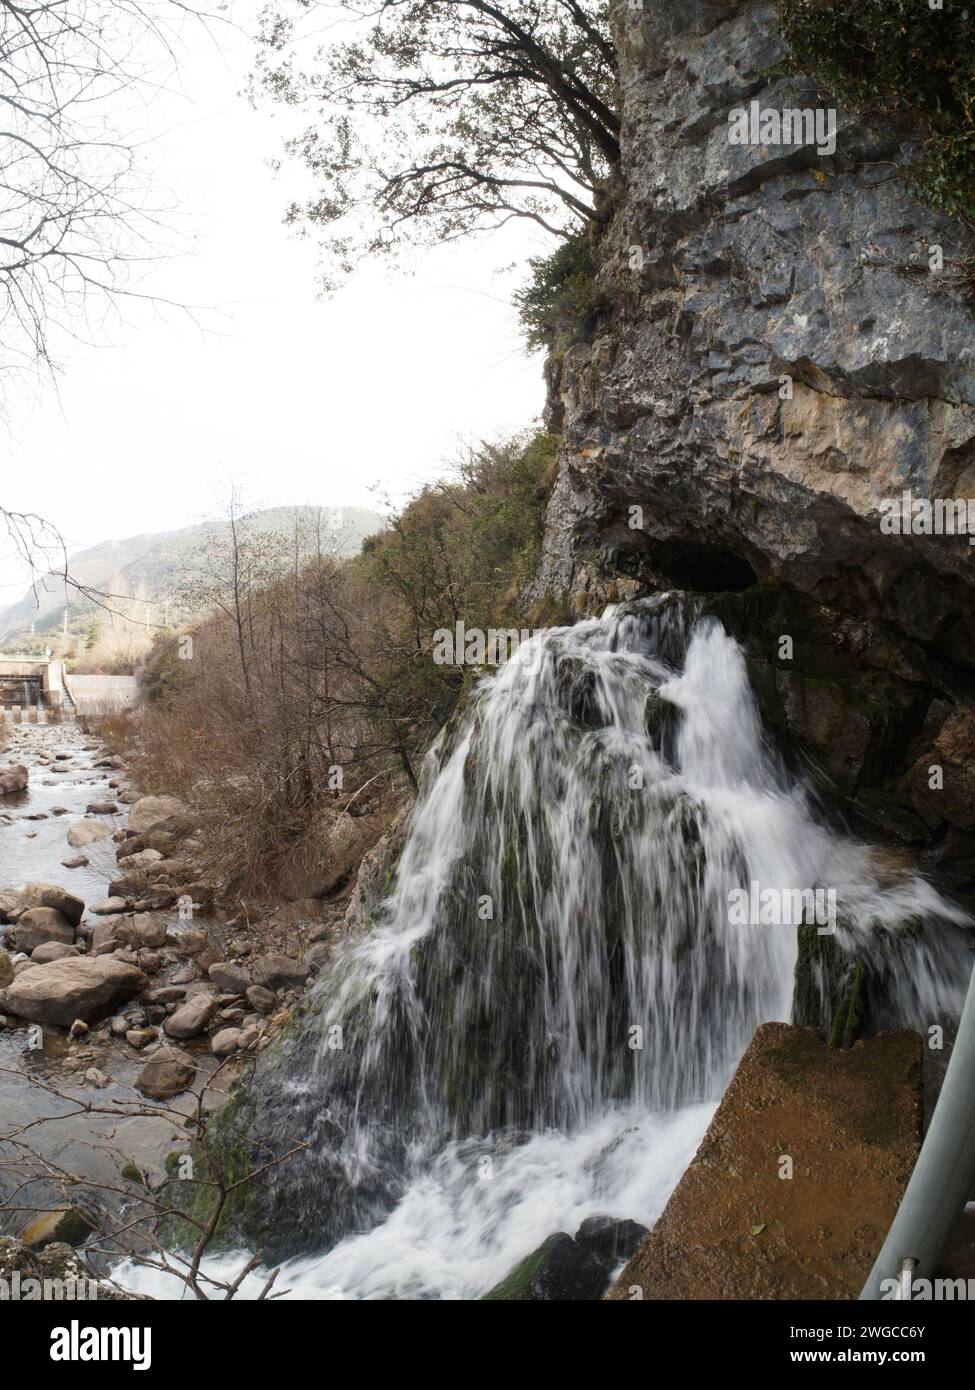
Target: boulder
<point x="50" y="895"/>
<point x="143" y="930"/>
<point x="149" y="811"/>
<point x="13" y="779"/>
<point x="230" y="977"/>
<point x="9" y="903"/>
<point x="610" y="1239"/>
<point x="39" y="925"/>
<point x="191" y="1018"/>
<point x="851" y="1117"/>
<point x="108" y="906"/>
<point x="560" y="1270"/>
<point x="226" y="1042"/>
<point x="279" y="972"/>
<point x="166" y="1073"/>
<point x="260" y="999"/>
<point x="86" y="832"/>
<point x="68" y="1225"/>
<point x="6" y="968"/>
<point x="101" y="808"/>
<point x="53" y="950"/>
<point x="63" y="990"/>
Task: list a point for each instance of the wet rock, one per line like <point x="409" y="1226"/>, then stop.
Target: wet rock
<point x="39" y="925"/>
<point x="13" y="779"/>
<point x="610" y="1239"/>
<point x="166" y="1073"/>
<point x="559" y="1270"/>
<point x="77" y="862"/>
<point x="141" y="1037"/>
<point x="95" y="1077"/>
<point x="78" y="1030"/>
<point x="101" y="808"/>
<point x="63" y="990"/>
<point x="87" y="832"/>
<point x="67" y="1225"/>
<point x="319" y="957"/>
<point x="191" y="1018"/>
<point x="734" y="1227"/>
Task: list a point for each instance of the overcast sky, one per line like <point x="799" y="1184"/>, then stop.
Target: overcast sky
<point x="307" y="400"/>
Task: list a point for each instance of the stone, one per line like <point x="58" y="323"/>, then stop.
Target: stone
<point x="560" y="1270"/>
<point x="733" y="1226"/>
<point x="230" y="977"/>
<point x="6" y="968"/>
<point x="146" y="929"/>
<point x="108" y="906"/>
<point x="77" y="862"/>
<point x="166" y="1073"/>
<point x="9" y="903"/>
<point x="95" y="1077"/>
<point x="279" y="972"/>
<point x="188" y="941"/>
<point x="226" y="1042"/>
<point x="39" y="925"/>
<point x="610" y="1239"/>
<point x="191" y="1018"/>
<point x="50" y="895"/>
<point x="87" y="832"/>
<point x="101" y="808"/>
<point x="165" y="994"/>
<point x="63" y="990"/>
<point x="149" y="811"/>
<point x="53" y="950"/>
<point x="64" y="1225"/>
<point x="13" y="779"/>
<point x="141" y="1037"/>
<point x="319" y="957"/>
<point x="260" y="999"/>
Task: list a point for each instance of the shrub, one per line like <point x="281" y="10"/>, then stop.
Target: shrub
<point x="561" y="298"/>
<point x="899" y="57"/>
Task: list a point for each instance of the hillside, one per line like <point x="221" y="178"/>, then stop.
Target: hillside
<point x="134" y="585"/>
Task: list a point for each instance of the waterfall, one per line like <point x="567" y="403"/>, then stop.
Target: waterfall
<point x="553" y="997"/>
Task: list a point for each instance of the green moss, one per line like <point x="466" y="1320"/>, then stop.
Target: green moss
<point x="515" y="1286"/>
<point x="849" y="1016"/>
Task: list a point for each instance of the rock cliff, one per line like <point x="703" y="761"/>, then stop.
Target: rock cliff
<point x="774" y="364"/>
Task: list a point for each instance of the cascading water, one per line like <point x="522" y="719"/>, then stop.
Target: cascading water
<point x="553" y="997"/>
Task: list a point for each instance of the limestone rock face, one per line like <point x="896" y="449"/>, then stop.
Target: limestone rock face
<point x="726" y="268"/>
<point x="734" y="1228"/>
<point x="774" y="365"/>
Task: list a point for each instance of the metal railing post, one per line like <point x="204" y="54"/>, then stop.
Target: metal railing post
<point x="943" y="1176"/>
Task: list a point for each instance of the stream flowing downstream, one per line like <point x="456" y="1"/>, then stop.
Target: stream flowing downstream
<point x="553" y="997"/>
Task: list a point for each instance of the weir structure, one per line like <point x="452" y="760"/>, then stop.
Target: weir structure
<point x="31" y="682"/>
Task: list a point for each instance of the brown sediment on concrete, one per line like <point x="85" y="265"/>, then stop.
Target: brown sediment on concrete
<point x="850" y="1122"/>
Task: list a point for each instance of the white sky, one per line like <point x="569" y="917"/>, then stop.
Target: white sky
<point x="303" y="400"/>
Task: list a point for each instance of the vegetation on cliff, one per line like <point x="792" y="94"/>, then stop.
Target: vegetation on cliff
<point x="900" y="58"/>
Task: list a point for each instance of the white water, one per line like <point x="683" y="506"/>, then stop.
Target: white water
<point x="607" y="854"/>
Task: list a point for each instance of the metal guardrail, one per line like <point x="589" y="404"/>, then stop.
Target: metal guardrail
<point x="943" y="1176"/>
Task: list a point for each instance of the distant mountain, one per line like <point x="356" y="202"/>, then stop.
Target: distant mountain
<point x="145" y="575"/>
